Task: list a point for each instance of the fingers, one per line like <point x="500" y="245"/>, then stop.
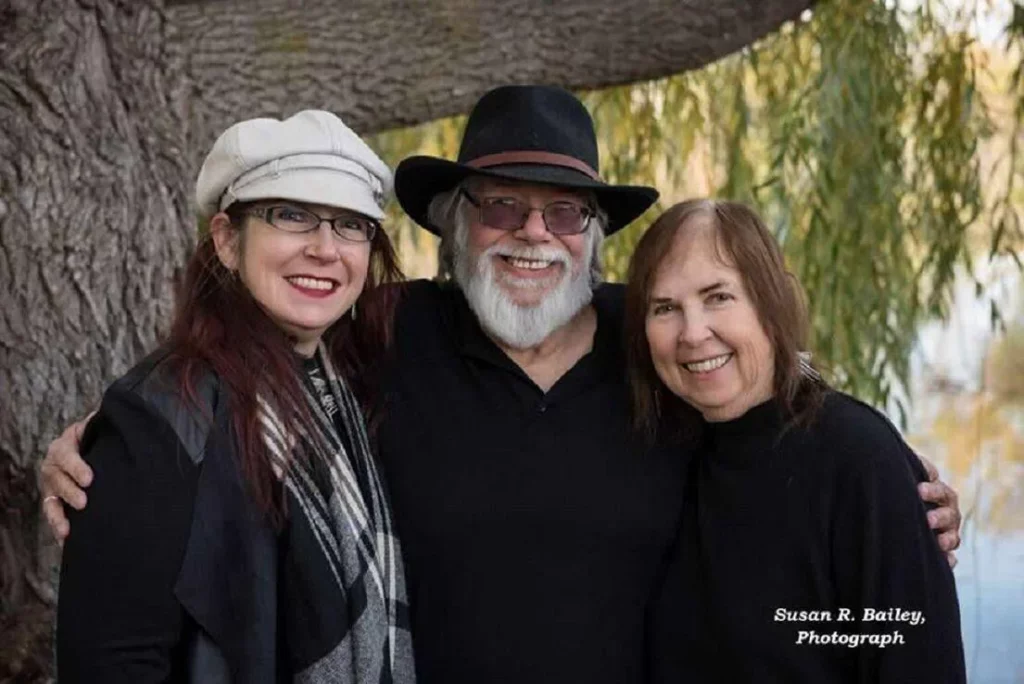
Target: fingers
<point x="949" y="541"/>
<point x="62" y="456"/>
<point x="53" y="510"/>
<point x="67" y="454"/>
<point x="57" y="483"/>
<point x="933" y="472"/>
<point x="943" y="519"/>
<point x="78" y="469"/>
<point x="946" y="519"/>
<point x="935" y="492"/>
<point x="62" y="475"/>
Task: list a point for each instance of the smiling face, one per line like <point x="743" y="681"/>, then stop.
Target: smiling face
<point x="528" y="264"/>
<point x="706" y="342"/>
<point x="523" y="284"/>
<point x="304" y="282"/>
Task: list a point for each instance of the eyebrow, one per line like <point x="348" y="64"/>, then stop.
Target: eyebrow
<point x="718" y="285"/>
<point x="712" y="287"/>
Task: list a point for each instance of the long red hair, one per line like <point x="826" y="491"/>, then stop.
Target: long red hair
<point x="219" y="327"/>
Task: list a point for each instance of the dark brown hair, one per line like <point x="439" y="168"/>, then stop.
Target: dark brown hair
<point x="743" y="241"/>
<point x="218" y="326"/>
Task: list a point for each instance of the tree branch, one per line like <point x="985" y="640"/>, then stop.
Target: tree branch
<point x="385" y="63"/>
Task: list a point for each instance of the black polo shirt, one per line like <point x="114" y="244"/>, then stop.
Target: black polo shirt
<point x="534" y="525"/>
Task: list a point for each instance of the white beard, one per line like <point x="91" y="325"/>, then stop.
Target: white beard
<point x="517" y="326"/>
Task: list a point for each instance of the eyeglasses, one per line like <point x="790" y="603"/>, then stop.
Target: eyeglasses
<point x="291" y="219"/>
<point x="508" y="213"/>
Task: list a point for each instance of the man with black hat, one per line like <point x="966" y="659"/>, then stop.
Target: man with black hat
<point x="533" y="520"/>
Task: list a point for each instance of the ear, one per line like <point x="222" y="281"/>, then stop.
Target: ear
<point x="225" y="240"/>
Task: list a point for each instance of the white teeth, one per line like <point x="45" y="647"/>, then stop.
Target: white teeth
<point x="311" y="283"/>
<point x="707" y="365"/>
<point x="529" y="264"/>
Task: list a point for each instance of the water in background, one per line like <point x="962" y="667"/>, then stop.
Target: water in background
<point x="948" y="374"/>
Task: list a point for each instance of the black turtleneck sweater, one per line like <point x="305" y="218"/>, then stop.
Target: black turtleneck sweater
<point x="782" y="530"/>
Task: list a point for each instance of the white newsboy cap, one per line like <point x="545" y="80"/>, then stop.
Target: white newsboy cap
<point x="310" y="157"/>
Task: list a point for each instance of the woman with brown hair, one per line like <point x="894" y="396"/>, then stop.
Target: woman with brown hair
<point x="237" y="529"/>
<point x="804" y="553"/>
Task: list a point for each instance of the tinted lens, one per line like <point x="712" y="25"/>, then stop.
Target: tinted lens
<point x="563" y="218"/>
<point x="354" y="228"/>
<point x="292" y="219"/>
<point x="503" y="213"/>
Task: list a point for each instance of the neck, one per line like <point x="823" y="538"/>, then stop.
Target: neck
<point x="306" y="349"/>
<point x="738" y="409"/>
<point x="549" y="360"/>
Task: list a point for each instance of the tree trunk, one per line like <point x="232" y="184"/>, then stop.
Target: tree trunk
<point x="106" y="107"/>
<point x="94" y="226"/>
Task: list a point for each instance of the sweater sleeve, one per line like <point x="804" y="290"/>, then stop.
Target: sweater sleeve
<point x="117" y="617"/>
<point x="887" y="565"/>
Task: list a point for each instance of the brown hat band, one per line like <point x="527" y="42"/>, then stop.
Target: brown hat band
<point x="533" y="157"/>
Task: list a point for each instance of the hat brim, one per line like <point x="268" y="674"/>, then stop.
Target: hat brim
<point x="419" y="179"/>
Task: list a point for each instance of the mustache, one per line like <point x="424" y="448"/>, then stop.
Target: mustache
<point x="539" y="252"/>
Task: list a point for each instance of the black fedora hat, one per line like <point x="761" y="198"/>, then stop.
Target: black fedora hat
<point x="536" y="134"/>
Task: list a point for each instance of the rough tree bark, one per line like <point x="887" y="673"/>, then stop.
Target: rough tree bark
<point x="106" y="107"/>
<point x="94" y="224"/>
<point x="385" y="63"/>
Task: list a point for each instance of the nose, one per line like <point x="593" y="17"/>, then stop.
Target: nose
<point x="323" y="245"/>
<point x="694" y="329"/>
<point x="534" y="229"/>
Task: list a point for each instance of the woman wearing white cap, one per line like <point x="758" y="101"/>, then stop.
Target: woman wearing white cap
<point x="237" y="530"/>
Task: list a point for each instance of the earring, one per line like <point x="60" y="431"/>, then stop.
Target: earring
<point x="354" y="310"/>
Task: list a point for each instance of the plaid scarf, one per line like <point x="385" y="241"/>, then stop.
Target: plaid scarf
<point x="342" y="601"/>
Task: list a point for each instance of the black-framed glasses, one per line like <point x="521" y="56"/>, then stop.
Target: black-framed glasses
<point x="291" y="219"/>
<point x="509" y="213"/>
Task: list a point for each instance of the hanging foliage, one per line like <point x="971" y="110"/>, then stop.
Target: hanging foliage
<point x="857" y="132"/>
